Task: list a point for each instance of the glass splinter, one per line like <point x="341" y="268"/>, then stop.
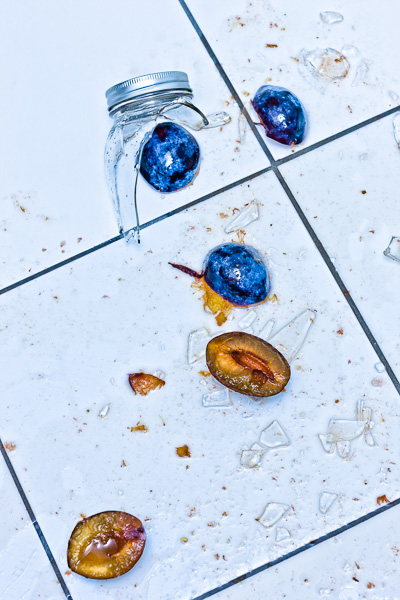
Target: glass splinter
<point x="242" y="126"/>
<point x="361" y="73"/>
<point x="396" y="130"/>
<point x="380" y="367"/>
<point x="273" y="436"/>
<point x="323" y="65"/>
<point x="197" y="344"/>
<point x="394" y="252"/>
<point x="341" y="432"/>
<point x="104" y="411"/>
<point x="252" y="458"/>
<point x="282" y="534"/>
<point x="217" y="399"/>
<point x="247" y="215"/>
<point x="290" y="338"/>
<point x="247" y="320"/>
<point x="266" y="332"/>
<point x="326" y="499"/>
<point x="273" y="513"/>
<point x="330" y="17"/>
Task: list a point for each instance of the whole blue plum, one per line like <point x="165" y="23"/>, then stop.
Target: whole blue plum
<point x="281" y="114"/>
<point x="237" y="273"/>
<point x="170" y="159"/>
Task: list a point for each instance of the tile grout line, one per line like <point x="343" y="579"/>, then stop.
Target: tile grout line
<point x="35" y="523"/>
<point x="300" y="550"/>
<point x="353" y="306"/>
<point x="336" y="136"/>
<point x="75" y="257"/>
<point x="289" y="194"/>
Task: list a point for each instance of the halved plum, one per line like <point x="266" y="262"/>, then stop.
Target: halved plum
<point x="106" y="545"/>
<point x="247" y="364"/>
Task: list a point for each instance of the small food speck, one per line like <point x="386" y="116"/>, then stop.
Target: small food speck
<point x="382" y="500"/>
<point x="205" y="373"/>
<point x="139" y="427"/>
<point x="271" y="45"/>
<point x="68" y="572"/>
<point x="62" y="244"/>
<point x="223" y="215"/>
<point x="184" y="540"/>
<point x="370" y="585"/>
<point x="143" y="383"/>
<point x="123" y="464"/>
<point x="273" y="299"/>
<point x="340" y="332"/>
<point x="79" y="240"/>
<point x="217" y="556"/>
<point x="9" y="446"/>
<point x="363" y="191"/>
<point x="183" y="451"/>
<point x="377" y="382"/>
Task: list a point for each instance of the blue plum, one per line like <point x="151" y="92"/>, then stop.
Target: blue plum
<point x="170" y="159"/>
<point x="237" y="273"/>
<point x="281" y="113"/>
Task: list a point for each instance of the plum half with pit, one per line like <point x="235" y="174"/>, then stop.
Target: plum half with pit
<point x="170" y="159"/>
<point x="281" y="113"/>
<point x="247" y="364"/>
<point x="106" y="545"/>
<point x="233" y="275"/>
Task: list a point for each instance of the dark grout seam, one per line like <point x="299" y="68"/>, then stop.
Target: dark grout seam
<point x="308" y="546"/>
<point x="71" y="259"/>
<point x="339" y="281"/>
<point x="337" y="136"/>
<point x="295" y="204"/>
<point x="35" y="522"/>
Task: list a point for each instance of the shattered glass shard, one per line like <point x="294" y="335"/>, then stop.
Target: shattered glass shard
<point x="265" y="333"/>
<point x="325" y="65"/>
<point x="197" y="343"/>
<point x="330" y="17"/>
<point x="343" y="431"/>
<point x="350" y="51"/>
<point x="282" y="534"/>
<point x="247" y="215"/>
<point x="361" y="73"/>
<point x="393" y="249"/>
<point x="273" y="436"/>
<point x="290" y="338"/>
<point x="396" y="128"/>
<point x="248" y="319"/>
<point x="242" y="126"/>
<point x="380" y="367"/>
<point x="252" y="458"/>
<point x="218" y="119"/>
<point x="217" y="399"/>
<point x="326" y="499"/>
<point x="104" y="411"/>
<point x="273" y="512"/>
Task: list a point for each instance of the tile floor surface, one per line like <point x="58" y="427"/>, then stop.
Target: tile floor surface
<point x="77" y="316"/>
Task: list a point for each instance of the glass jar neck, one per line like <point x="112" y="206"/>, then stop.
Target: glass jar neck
<point x="147" y="105"/>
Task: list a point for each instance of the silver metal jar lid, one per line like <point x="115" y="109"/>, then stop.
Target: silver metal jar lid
<point x="155" y="82"/>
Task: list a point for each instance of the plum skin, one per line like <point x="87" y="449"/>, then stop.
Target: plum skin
<point x="170" y="159"/>
<point x="281" y="113"/>
<point x="237" y="273"/>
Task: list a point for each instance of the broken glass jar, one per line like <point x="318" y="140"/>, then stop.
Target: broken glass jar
<point x="148" y="136"/>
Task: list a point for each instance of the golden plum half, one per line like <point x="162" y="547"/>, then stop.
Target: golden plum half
<point x="106" y="545"/>
<point x="247" y="364"/>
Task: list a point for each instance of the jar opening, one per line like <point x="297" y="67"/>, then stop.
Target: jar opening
<point x="145" y="85"/>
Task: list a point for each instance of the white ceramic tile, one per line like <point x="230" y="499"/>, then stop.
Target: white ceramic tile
<point x="356" y="227"/>
<point x="360" y="563"/>
<point x="69" y="340"/>
<point x="25" y="571"/>
<point x="60" y="61"/>
<point x="238" y="31"/>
